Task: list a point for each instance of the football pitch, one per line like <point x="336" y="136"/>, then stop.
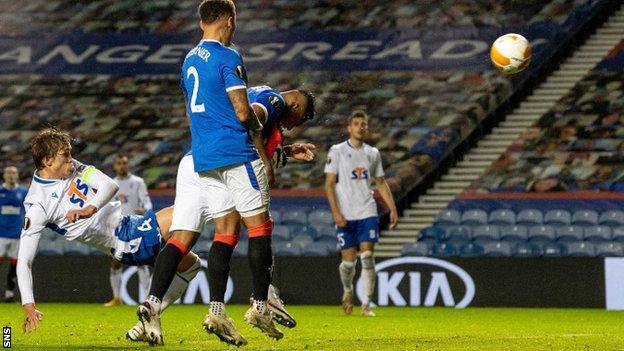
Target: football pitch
<point x="93" y="327"/>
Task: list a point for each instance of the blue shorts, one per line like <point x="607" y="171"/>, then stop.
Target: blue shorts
<point x="359" y="231"/>
<point x="138" y="240"/>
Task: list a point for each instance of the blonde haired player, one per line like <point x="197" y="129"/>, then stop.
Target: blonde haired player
<point x="350" y="170"/>
<point x="63" y="198"/>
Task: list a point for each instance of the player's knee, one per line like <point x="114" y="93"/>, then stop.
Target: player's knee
<point x="262" y="230"/>
<point x="347" y="265"/>
<point x="367" y="259"/>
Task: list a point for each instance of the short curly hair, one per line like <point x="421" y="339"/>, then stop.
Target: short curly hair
<point x="47" y="143"/>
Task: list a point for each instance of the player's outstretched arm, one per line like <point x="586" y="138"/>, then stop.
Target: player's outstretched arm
<point x="33" y="225"/>
<point x="386" y="195"/>
<point x="300" y="152"/>
<point x="106" y="190"/>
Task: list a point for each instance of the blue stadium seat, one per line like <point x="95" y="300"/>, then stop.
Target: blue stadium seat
<point x="295" y="217"/>
<point x="461" y="232"/>
<point x="276" y="216"/>
<point x="416" y="249"/>
<point x="551" y="250"/>
<point x="49" y="247"/>
<point x="302" y="240"/>
<point x="315" y="249"/>
<point x="569" y="233"/>
<point x="502" y="217"/>
<point x="523" y="249"/>
<point x="448" y="217"/>
<point x="597" y="234"/>
<point x="610" y="249"/>
<point x="580" y="248"/>
<point x="302" y="230"/>
<point x="471" y="250"/>
<point x="241" y="248"/>
<point x="474" y="217"/>
<point x="444" y="250"/>
<point x="541" y="234"/>
<point x="618" y="234"/>
<point x="557" y="217"/>
<point x="435" y="232"/>
<point x="326" y="231"/>
<point x="486" y="233"/>
<point x="75" y="248"/>
<point x="612" y="218"/>
<point x="530" y="217"/>
<point x="585" y="217"/>
<point x="514" y="233"/>
<point x="320" y="217"/>
<point x="497" y="248"/>
<point x="286" y="249"/>
<point x="281" y="233"/>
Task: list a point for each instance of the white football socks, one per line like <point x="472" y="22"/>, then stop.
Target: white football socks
<point x="145" y="278"/>
<point x="369" y="275"/>
<point x="115" y="282"/>
<point x="347" y="272"/>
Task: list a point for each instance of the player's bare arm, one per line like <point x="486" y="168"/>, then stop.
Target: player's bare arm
<point x="247" y="117"/>
<point x="386" y="195"/>
<point x="300" y="152"/>
<point x="330" y="191"/>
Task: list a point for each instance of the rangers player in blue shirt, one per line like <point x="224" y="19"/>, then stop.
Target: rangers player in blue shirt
<point x="12" y="196"/>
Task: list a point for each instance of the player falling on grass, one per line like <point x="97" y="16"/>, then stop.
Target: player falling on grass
<point x="12" y="196"/>
<point x="276" y="110"/>
<point x="73" y="200"/>
<point x="350" y="170"/>
<point x="235" y="181"/>
<point x="134" y="200"/>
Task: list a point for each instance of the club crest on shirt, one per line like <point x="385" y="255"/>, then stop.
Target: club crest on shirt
<point x="274" y="101"/>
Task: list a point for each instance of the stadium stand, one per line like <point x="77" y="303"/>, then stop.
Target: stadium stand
<point x="420" y="115"/>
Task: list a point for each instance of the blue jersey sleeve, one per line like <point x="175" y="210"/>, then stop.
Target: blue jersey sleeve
<point x="233" y="71"/>
<point x="273" y="105"/>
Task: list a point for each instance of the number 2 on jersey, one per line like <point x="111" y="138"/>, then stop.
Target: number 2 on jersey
<point x="192" y="71"/>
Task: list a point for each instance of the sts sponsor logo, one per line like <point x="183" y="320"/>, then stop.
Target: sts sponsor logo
<point x="421" y="281"/>
<point x="359" y="173"/>
<point x="77" y="192"/>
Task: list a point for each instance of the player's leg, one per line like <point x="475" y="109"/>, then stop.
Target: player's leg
<point x="249" y="188"/>
<point x="348" y="254"/>
<point x="115" y="283"/>
<point x="367" y="237"/>
<point x="12" y="248"/>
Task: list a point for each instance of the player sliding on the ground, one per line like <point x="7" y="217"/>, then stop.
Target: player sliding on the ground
<point x="63" y="198"/>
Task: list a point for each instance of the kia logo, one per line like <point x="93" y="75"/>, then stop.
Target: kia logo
<point x="199" y="285"/>
<point x="393" y="282"/>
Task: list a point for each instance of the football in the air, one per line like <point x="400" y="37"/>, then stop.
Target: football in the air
<point x="511" y="53"/>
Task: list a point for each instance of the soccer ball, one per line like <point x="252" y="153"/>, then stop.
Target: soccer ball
<point x="511" y="53"/>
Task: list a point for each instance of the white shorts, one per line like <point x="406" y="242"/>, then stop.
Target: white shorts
<point x="9" y="247"/>
<point x="243" y="187"/>
<point x="191" y="209"/>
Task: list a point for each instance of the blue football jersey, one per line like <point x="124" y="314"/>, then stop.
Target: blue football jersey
<point x="11" y="211"/>
<point x="209" y="71"/>
<point x="272" y="102"/>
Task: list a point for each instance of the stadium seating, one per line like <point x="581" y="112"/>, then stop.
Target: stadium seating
<point x="551" y="239"/>
<point x="612" y="218"/>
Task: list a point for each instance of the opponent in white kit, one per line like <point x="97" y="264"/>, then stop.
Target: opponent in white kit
<point x="73" y="200"/>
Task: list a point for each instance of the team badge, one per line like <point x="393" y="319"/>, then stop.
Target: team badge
<point x="241" y="73"/>
<point x="274" y="101"/>
<point x="26" y="223"/>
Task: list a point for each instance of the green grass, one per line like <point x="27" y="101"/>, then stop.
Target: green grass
<point x="93" y="327"/>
